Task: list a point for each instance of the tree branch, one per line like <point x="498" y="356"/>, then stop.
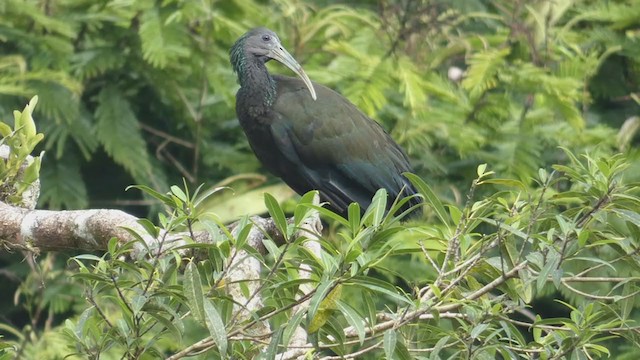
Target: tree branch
<point x="45" y="230"/>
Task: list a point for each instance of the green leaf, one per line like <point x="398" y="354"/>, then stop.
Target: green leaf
<point x="301" y="210"/>
<point x="31" y="173"/>
<point x="456" y="214"/>
<point x="375" y="212"/>
<point x="5" y="130"/>
<point x="381" y="287"/>
<point x="631" y="216"/>
<point x="112" y="247"/>
<point x="79" y="329"/>
<point x="551" y="264"/>
<point x="243" y="229"/>
<point x="68" y="329"/>
<point x="478" y="330"/>
<point x="92" y="278"/>
<point x="389" y="343"/>
<point x="330" y="214"/>
<point x="353" y="318"/>
<point x="200" y="198"/>
<point x="193" y="291"/>
<point x="153" y="193"/>
<point x="137" y="302"/>
<point x="291" y="327"/>
<point x="88" y="257"/>
<point x="628" y="303"/>
<point x="276" y="214"/>
<point x="175" y="190"/>
<point x="430" y="196"/>
<point x="370" y="308"/>
<point x="481" y="170"/>
<point x="354" y="218"/>
<point x="167" y="323"/>
<point x="24" y="121"/>
<point x="272" y="349"/>
<point x="314" y="319"/>
<point x="599" y="348"/>
<point x="149" y="227"/>
<point x="435" y="354"/>
<point x="216" y="326"/>
<point x="504" y="182"/>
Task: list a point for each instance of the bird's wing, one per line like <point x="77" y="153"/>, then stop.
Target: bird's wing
<point x="304" y="176"/>
<point x="337" y="149"/>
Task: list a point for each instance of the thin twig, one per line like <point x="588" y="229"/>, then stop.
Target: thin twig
<point x="166" y="136"/>
<point x="599" y="297"/>
<point x="355" y="354"/>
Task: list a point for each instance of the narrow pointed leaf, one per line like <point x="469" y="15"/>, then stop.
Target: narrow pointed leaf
<point x="381" y="287"/>
<point x="430" y="197"/>
<point x="314" y="305"/>
<point x="389" y="343"/>
<point x="377" y="208"/>
<point x="272" y="350"/>
<point x="353" y="318"/>
<point x="276" y="213"/>
<point x="216" y="326"/>
<point x="193" y="291"/>
<point x="301" y="210"/>
<point x="354" y="217"/>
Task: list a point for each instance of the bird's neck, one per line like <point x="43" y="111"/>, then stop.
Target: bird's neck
<point x="257" y="86"/>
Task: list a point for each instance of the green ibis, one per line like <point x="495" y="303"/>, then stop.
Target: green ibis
<point x="309" y="135"/>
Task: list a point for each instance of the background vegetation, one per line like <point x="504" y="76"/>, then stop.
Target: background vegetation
<point x="142" y="92"/>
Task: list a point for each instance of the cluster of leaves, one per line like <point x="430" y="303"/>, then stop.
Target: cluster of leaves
<point x="18" y="169"/>
<point x="472" y="274"/>
<point x="97" y="68"/>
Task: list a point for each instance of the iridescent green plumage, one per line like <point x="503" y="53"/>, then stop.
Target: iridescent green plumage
<point x="325" y="144"/>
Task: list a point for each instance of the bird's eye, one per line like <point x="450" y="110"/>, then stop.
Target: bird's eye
<point x="266" y="38"/>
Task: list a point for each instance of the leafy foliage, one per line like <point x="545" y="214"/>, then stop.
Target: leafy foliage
<point x="479" y="265"/>
<point x="153" y="79"/>
<point x="18" y="170"/>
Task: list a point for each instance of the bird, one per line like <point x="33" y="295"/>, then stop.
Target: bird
<point x="312" y="137"/>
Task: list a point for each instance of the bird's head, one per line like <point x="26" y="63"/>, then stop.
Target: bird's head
<point x="265" y="45"/>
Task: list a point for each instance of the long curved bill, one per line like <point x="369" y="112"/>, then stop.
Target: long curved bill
<point x="282" y="56"/>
